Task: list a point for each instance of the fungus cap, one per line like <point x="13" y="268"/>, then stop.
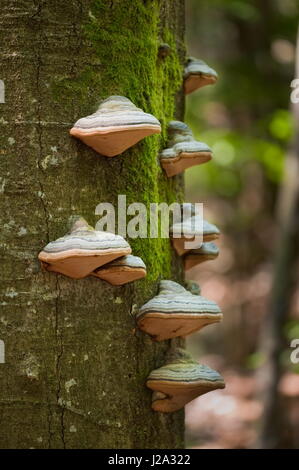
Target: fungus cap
<point x="198" y="74"/>
<point x="117" y="125"/>
<point x="183" y="151"/>
<point x="182" y="232"/>
<point x="176" y="312"/>
<point x="82" y="250"/>
<point x="207" y="251"/>
<point x="164" y="50"/>
<point x="122" y="270"/>
<point x="180" y="381"/>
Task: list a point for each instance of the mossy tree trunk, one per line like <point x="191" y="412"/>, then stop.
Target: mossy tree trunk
<point x="75" y="368"/>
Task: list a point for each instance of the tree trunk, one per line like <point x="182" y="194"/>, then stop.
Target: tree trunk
<point x="273" y="429"/>
<point x="75" y="369"/>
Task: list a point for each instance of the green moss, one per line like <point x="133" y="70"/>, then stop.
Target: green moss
<point x="124" y="61"/>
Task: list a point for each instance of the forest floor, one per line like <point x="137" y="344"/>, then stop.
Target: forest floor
<point x="228" y="419"/>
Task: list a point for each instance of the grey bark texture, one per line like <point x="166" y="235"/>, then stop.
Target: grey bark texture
<point x="75" y="368"/>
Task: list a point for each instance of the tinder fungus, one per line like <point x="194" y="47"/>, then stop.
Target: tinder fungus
<point x="176" y="312"/>
<point x="115" y="126"/>
<point x="183" y="151"/>
<point x="122" y="270"/>
<point x="164" y="50"/>
<point x="190" y="227"/>
<point x="82" y="250"/>
<point x="192" y="287"/>
<point x="198" y="74"/>
<point x="207" y="251"/>
<point x="180" y="381"/>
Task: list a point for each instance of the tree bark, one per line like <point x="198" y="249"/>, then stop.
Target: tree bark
<point x="75" y="368"/>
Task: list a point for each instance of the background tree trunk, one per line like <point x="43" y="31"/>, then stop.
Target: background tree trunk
<point x="75" y="370"/>
<point x="273" y="430"/>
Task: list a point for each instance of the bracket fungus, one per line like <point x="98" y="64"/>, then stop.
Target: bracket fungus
<point x="164" y="50"/>
<point x="183" y="151"/>
<point x="82" y="250"/>
<point x="192" y="226"/>
<point x="207" y="251"/>
<point x="198" y="74"/>
<point x="122" y="270"/>
<point x="176" y="312"/>
<point x="180" y="381"/>
<point x="192" y="287"/>
<point x="117" y="125"/>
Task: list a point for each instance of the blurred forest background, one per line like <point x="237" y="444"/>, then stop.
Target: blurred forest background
<point x="246" y="118"/>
